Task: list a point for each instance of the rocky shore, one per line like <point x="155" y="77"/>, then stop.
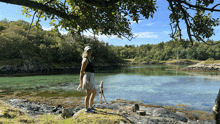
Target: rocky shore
<point x="133" y="112"/>
<point x="204" y="67"/>
<point x="37" y="68"/>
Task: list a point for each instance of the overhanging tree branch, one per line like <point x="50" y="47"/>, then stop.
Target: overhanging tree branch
<point x="199" y="7"/>
<point x="41" y="6"/>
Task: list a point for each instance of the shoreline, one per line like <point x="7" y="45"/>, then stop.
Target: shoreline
<point x="41" y="69"/>
<point x="176" y="113"/>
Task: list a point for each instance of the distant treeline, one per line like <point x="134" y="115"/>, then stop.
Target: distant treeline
<point x="49" y="47"/>
<point x="54" y="48"/>
<point x="170" y="50"/>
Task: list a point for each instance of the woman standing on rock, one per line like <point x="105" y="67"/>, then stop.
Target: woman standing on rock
<point x="87" y="74"/>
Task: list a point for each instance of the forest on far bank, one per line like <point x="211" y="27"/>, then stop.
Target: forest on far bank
<point x="66" y="50"/>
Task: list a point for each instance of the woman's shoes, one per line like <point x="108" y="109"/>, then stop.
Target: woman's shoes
<point x="92" y="108"/>
<point x="89" y="110"/>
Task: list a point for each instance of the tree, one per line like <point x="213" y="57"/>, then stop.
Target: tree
<point x="109" y="16"/>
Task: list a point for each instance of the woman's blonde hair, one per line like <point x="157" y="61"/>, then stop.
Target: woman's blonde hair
<point x="85" y="54"/>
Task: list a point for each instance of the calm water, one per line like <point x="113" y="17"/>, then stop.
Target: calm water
<point x="160" y="85"/>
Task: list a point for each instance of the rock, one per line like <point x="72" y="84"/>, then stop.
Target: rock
<point x="180" y="113"/>
<point x="148" y="110"/>
<point x="77" y="113"/>
<point x="121" y="122"/>
<point x="136" y="107"/>
<point x="162" y="112"/>
<point x="78" y="108"/>
<point x="59" y="112"/>
<point x="113" y="106"/>
<point x="141" y="113"/>
<point x="159" y="112"/>
<point x="55" y="109"/>
<point x="66" y="113"/>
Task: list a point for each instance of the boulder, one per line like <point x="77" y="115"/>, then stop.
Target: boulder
<point x="141" y="113"/>
<point x="162" y="112"/>
<point x="148" y="110"/>
<point x="76" y="114"/>
<point x="113" y="106"/>
<point x="66" y="113"/>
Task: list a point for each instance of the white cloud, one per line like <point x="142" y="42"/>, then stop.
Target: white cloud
<point x="62" y="31"/>
<point x="146" y="35"/>
<point x="167" y="32"/>
<point x="47" y="29"/>
<point x="217" y="28"/>
<point x="100" y="37"/>
<point x="139" y="35"/>
<point x="149" y="24"/>
<point x="104" y="37"/>
<point x="134" y="22"/>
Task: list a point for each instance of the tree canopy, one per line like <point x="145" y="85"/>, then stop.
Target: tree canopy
<point x="110" y="17"/>
<point x="48" y="47"/>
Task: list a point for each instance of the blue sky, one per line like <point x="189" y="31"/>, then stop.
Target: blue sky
<point x="151" y="31"/>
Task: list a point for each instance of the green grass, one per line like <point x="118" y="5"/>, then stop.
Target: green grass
<point x="211" y="61"/>
<point x="127" y="61"/>
<point x="28" y="82"/>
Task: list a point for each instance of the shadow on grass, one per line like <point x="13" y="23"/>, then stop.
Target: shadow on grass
<point x="105" y="112"/>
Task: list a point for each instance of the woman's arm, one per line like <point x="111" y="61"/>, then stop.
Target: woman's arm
<point x="83" y="67"/>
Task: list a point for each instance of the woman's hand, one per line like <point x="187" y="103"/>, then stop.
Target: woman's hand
<point x="80" y="86"/>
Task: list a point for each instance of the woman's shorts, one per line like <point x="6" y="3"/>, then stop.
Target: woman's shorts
<point x="88" y="81"/>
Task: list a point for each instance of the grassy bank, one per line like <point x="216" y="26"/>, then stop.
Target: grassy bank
<point x="174" y="61"/>
<point x="15" y="116"/>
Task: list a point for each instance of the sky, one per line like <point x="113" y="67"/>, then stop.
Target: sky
<point x="148" y="31"/>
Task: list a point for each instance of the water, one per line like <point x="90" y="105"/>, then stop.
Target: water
<point x="160" y="85"/>
<point x="154" y="84"/>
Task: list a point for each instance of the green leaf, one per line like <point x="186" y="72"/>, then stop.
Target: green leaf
<point x="54" y="20"/>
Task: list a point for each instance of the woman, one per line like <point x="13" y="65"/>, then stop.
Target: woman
<point x="87" y="74"/>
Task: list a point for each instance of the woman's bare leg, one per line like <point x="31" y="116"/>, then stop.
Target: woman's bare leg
<point x="92" y="97"/>
<point x="104" y="98"/>
<point x="88" y="94"/>
<point x="100" y="98"/>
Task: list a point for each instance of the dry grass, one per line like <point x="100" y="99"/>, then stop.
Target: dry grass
<point x="101" y="116"/>
<point x="211" y="61"/>
<point x="191" y="114"/>
<point x="13" y="115"/>
<point x="67" y="102"/>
